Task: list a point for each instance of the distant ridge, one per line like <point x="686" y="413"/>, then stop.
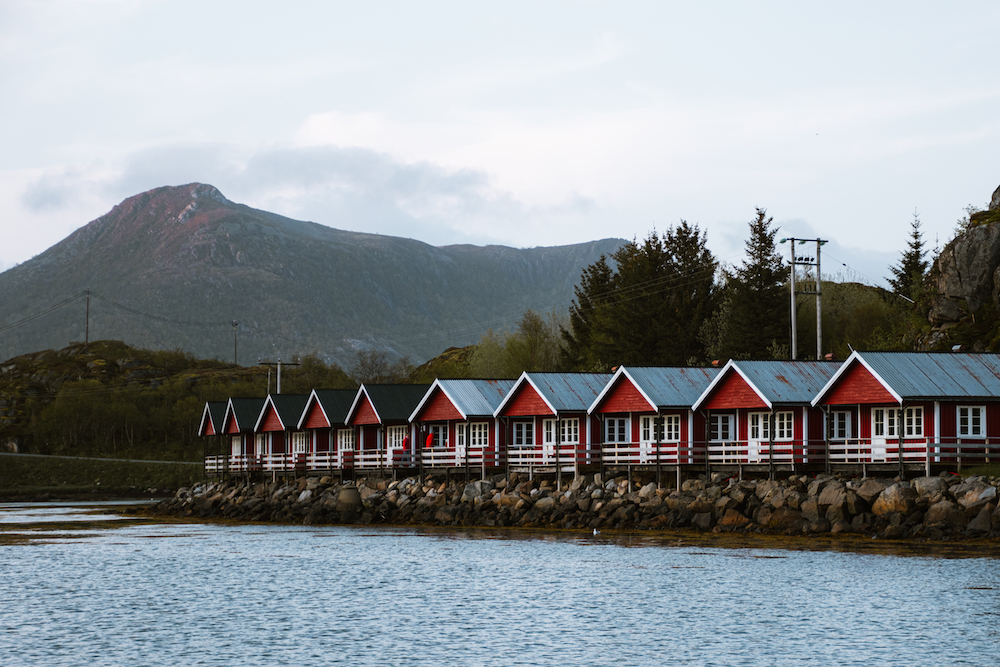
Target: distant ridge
<point x="188" y="254"/>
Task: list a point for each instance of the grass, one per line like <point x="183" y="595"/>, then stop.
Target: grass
<point x="987" y="470"/>
<point x="51" y="474"/>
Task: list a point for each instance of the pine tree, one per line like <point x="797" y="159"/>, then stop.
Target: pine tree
<point x="753" y="319"/>
<point x="912" y="268"/>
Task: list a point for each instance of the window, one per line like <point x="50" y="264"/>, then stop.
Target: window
<point x="549" y="431"/>
<point x="913" y="421"/>
<point x="884" y="423"/>
<point x="720" y="428"/>
<point x="300" y="442"/>
<point x="479" y="434"/>
<point x="261" y="441"/>
<point x="616" y="429"/>
<point x="569" y="431"/>
<point x="438" y="436"/>
<point x="345" y="439"/>
<point x="760" y="425"/>
<point x="840" y="425"/>
<point x="394" y="436"/>
<point x="971" y="421"/>
<point x="784" y="426"/>
<point x="524" y="434"/>
<point x="672" y="428"/>
<point x="236" y="445"/>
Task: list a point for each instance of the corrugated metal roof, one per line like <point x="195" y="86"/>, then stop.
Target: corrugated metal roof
<point x="932" y="375"/>
<point x="788" y="382"/>
<point x="673" y="387"/>
<point x="569" y="392"/>
<point x="336" y="403"/>
<point x="395" y="402"/>
<point x="246" y="411"/>
<point x="476" y="398"/>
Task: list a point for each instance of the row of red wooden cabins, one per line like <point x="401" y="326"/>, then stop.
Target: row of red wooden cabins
<point x="889" y="409"/>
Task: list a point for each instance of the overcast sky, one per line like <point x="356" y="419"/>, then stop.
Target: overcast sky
<point x="518" y="123"/>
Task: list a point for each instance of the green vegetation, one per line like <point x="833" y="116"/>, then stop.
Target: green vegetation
<point x="50" y="474"/>
<point x="908" y="276"/>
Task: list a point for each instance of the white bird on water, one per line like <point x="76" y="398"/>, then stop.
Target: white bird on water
<point x="597" y="532"/>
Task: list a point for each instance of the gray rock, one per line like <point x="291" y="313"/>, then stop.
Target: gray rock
<point x="899" y="497"/>
<point x="871" y="488"/>
<point x="982" y="524"/>
<point x="928" y="486"/>
<point x="648" y="490"/>
<point x="305" y="496"/>
<point x="945" y="513"/>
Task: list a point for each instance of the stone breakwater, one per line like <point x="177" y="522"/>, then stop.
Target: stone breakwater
<point x="924" y="508"/>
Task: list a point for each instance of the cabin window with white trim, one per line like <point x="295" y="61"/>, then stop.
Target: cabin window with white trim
<point x="549" y="431"/>
<point x="913" y="422"/>
<point x="394" y="436"/>
<point x="760" y="425"/>
<point x="439" y="435"/>
<point x="569" y="431"/>
<point x="784" y="426"/>
<point x="840" y="425"/>
<point x="236" y="445"/>
<point x="524" y="434"/>
<point x="479" y="434"/>
<point x="616" y="429"/>
<point x="972" y="421"/>
<point x="884" y="422"/>
<point x="300" y="442"/>
<point x="260" y="441"/>
<point x="345" y="439"/>
<point x="720" y="428"/>
<point x="671" y="428"/>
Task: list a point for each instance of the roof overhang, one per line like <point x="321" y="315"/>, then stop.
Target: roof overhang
<point x="730" y="365"/>
<point x="844" y="367"/>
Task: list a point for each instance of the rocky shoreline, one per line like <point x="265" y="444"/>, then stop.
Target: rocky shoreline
<point x="928" y="508"/>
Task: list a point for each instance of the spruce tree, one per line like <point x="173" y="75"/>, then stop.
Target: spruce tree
<point x="912" y="268"/>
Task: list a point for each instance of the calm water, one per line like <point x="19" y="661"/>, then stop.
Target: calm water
<point x="115" y="593"/>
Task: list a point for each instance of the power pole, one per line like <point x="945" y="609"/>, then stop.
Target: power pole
<point x="86" y="339"/>
<point x="235" y="356"/>
<point x="279" y="363"/>
<point x="807" y="261"/>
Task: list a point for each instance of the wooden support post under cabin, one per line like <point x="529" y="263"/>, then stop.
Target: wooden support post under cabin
<point x="826" y="436"/>
<point x="899" y="441"/>
<point x="770" y="445"/>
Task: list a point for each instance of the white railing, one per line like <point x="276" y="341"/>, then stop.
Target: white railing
<point x="647" y="453"/>
<point x="756" y="452"/>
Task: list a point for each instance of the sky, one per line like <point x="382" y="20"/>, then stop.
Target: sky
<point x="516" y="123"/>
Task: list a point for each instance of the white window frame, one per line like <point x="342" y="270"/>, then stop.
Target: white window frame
<point x="479" y="434"/>
<point x="671" y="428"/>
<point x="913" y="422"/>
<point x="346" y="440"/>
<point x="394" y="436"/>
<point x="974" y="418"/>
<point x="884" y="420"/>
<point x="236" y="445"/>
<point x="523" y="434"/>
<point x="569" y="431"/>
<point x="549" y="431"/>
<point x="840" y="425"/>
<point x="617" y="430"/>
<point x="260" y="443"/>
<point x="440" y="432"/>
<point x="759" y="426"/>
<point x="714" y="425"/>
<point x="784" y="426"/>
<point x="300" y="442"/>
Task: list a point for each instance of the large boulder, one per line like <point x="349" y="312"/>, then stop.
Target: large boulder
<point x="965" y="275"/>
<point x="945" y="513"/>
<point x="871" y="488"/>
<point x="928" y="486"/>
<point x="899" y="497"/>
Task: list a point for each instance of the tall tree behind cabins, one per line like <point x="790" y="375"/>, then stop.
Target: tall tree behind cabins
<point x="533" y="347"/>
<point x="650" y="309"/>
<point x="753" y="319"/>
<point x="908" y="276"/>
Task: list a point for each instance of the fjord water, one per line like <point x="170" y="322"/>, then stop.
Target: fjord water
<point x="79" y="589"/>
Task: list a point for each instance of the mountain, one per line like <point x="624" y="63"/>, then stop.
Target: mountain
<point x="173" y="267"/>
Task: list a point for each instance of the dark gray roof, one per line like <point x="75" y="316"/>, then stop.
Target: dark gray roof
<point x="930" y="375"/>
<point x="393" y="403"/>
<point x="665" y="387"/>
<point x="214" y="413"/>
<point x="335" y="404"/>
<point x="246" y="411"/>
<point x="289" y="408"/>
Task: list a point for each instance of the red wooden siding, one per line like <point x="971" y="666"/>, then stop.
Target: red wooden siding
<point x="438" y="408"/>
<point x="526" y="402"/>
<point x="624" y="397"/>
<point x="733" y="392"/>
<point x="315" y="417"/>
<point x="231" y="427"/>
<point x="857" y="385"/>
<point x="365" y="414"/>
<point x="271" y="421"/>
<point x="209" y="427"/>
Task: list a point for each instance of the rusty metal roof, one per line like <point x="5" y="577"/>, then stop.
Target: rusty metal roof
<point x="931" y="375"/>
<point x="562" y="392"/>
<point x="663" y="386"/>
<point x="472" y="398"/>
<point x="778" y="382"/>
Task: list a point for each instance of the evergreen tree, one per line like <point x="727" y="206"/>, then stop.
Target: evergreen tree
<point x="912" y="268"/>
<point x="753" y="319"/>
<point x="648" y="311"/>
